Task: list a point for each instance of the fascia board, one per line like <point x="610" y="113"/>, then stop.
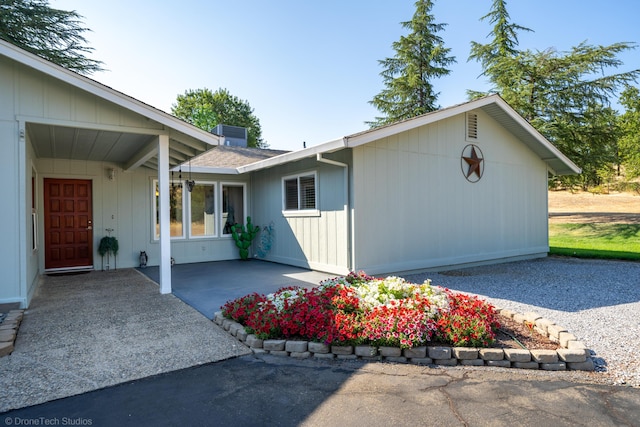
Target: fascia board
<point x="383" y="132"/>
<point x="211" y="170"/>
<point x="538" y="136"/>
<point x="326" y="147"/>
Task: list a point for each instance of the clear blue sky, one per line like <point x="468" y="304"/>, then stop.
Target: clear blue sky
<point x="309" y="69"/>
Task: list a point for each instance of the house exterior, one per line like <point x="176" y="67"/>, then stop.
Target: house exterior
<point x="81" y="161"/>
<point x="461" y="186"/>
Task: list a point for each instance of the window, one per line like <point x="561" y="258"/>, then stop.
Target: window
<point x="209" y="210"/>
<point x="299" y="192"/>
<point x="232" y="206"/>
<point x="202" y="210"/>
<point x="176" y="209"/>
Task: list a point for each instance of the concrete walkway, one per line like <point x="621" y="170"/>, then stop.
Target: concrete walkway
<point x="89" y="331"/>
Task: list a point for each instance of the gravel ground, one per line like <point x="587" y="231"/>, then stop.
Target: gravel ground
<point x="597" y="301"/>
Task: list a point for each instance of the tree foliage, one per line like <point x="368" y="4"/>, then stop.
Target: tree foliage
<point x="420" y="57"/>
<point x="629" y="123"/>
<point x="53" y="34"/>
<point x="206" y="109"/>
<point x="565" y="95"/>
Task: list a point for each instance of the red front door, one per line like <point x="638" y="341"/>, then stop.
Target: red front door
<point x="68" y="223"/>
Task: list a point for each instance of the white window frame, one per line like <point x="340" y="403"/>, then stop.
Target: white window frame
<point x="300" y="212"/>
<point x="154" y="185"/>
<point x="245" y="207"/>
<point x="216" y="191"/>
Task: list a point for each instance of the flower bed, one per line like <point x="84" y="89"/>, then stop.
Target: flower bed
<point x="362" y="310"/>
<point x="360" y="317"/>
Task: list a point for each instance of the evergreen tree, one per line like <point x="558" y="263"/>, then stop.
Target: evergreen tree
<point x="503" y="45"/>
<point x="53" y="34"/>
<point x="420" y="57"/>
<point x="565" y="95"/>
<point x="206" y="109"/>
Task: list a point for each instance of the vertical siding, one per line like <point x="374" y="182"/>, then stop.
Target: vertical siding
<point x="10" y="213"/>
<point x="317" y="242"/>
<point x="414" y="209"/>
<point x="11" y="251"/>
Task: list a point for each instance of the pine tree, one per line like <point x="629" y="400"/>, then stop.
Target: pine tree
<point x="420" y="57"/>
<point x="53" y="34"/>
<point x="564" y="95"/>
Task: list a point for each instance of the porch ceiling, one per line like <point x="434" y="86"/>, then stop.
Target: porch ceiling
<point x="75" y="143"/>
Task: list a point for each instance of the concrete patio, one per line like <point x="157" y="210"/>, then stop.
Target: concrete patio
<point x="206" y="286"/>
<point x="88" y="331"/>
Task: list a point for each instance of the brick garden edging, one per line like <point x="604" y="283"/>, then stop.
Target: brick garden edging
<point x="572" y="354"/>
<point x="8" y="331"/>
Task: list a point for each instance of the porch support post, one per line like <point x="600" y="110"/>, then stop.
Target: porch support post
<point x="165" y="232"/>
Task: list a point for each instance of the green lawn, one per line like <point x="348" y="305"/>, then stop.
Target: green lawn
<point x="596" y="240"/>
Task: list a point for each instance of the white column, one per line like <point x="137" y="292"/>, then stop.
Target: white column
<point x="24" y="249"/>
<point x="165" y="232"/>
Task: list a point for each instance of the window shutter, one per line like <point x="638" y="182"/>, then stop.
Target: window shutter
<point x="291" y="194"/>
<point x="307" y="192"/>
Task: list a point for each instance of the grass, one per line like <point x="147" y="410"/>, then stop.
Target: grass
<point x="595" y="240"/>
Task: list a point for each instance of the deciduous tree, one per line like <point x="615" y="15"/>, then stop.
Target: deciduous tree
<point x="206" y="109"/>
<point x="629" y="144"/>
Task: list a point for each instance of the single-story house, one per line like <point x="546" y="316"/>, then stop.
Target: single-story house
<point x="81" y="161"/>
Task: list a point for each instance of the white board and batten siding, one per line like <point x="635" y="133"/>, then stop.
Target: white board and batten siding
<point x="319" y="241"/>
<point x="415" y="210"/>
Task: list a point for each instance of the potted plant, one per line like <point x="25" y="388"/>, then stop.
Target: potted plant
<point x="108" y="246"/>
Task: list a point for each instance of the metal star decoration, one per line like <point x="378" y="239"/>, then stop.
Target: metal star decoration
<point x="474" y="164"/>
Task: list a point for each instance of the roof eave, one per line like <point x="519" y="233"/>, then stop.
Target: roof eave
<point x="89" y="85"/>
<point x="326" y="147"/>
<point x="565" y="165"/>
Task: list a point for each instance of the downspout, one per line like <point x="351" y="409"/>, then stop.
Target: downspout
<point x="347" y="206"/>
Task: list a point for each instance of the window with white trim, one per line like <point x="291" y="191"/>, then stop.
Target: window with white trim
<point x="233" y="206"/>
<point x="209" y="210"/>
<point x="299" y="192"/>
<point x="202" y="210"/>
<point x="176" y="209"/>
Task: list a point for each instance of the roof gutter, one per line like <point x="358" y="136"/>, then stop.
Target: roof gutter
<point x="327" y="147"/>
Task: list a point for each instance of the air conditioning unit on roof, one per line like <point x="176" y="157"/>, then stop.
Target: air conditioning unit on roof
<point x="234" y="136"/>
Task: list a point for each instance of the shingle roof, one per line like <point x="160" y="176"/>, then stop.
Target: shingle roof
<point x="224" y="156"/>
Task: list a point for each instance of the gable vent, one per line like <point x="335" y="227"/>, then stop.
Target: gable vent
<point x="472" y="126"/>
